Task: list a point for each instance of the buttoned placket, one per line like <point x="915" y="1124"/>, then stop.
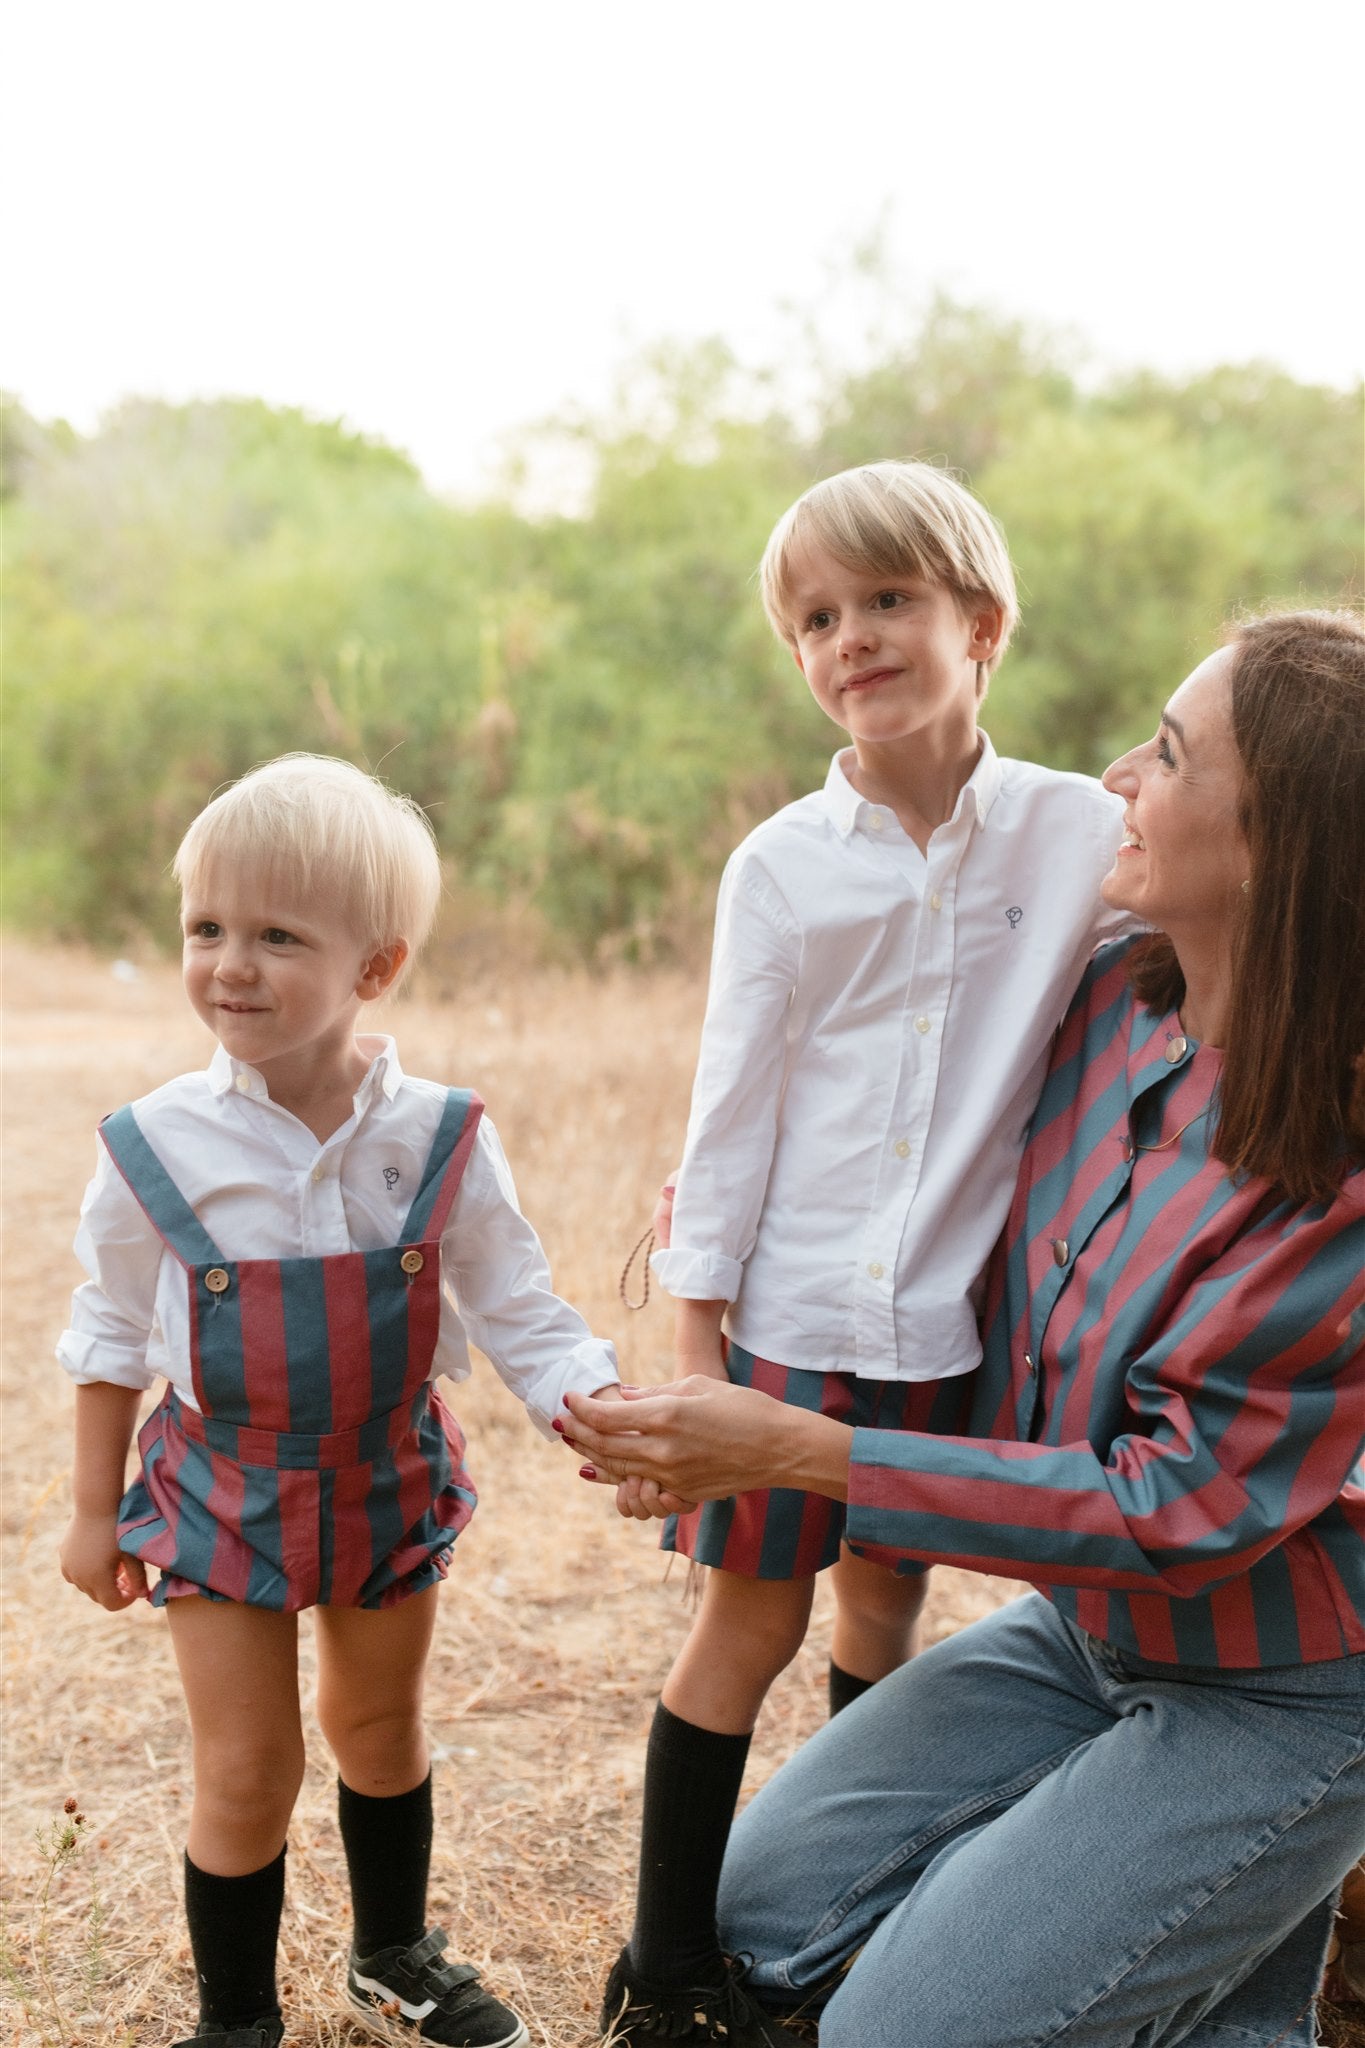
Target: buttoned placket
<point x="933" y="876"/>
<point x="1157" y="1074"/>
<point x="316" y="1168"/>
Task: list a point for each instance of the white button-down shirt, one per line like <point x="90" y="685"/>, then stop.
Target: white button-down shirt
<point x="876" y="1035"/>
<point x="264" y="1188"/>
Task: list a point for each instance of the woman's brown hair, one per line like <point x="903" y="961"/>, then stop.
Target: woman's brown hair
<point x="1292" y="1102"/>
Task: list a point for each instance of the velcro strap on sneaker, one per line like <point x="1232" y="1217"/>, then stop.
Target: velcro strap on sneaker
<point x="443" y="1977"/>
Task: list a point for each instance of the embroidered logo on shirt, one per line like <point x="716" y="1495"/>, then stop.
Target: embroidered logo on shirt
<point x="1014" y="913"/>
<point x="390" y="1178"/>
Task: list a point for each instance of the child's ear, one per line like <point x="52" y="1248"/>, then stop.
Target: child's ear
<point x="796" y="657"/>
<point x="988" y="623"/>
<point x="379" y="973"/>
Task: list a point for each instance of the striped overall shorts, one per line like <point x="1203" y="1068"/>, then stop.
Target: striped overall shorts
<point x="322" y="1468"/>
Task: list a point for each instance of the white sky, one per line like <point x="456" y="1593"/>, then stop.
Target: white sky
<point x="442" y="218"/>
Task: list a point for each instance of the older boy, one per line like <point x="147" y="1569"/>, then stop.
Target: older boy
<point x="892" y="954"/>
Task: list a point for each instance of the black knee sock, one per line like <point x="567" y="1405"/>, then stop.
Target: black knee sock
<point x="844" y="1688"/>
<point x="388" y="1855"/>
<point x="234" y="1929"/>
<point x="692" y="1780"/>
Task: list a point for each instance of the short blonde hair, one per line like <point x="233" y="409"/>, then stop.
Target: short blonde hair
<point x="895" y="519"/>
<point x="325" y="824"/>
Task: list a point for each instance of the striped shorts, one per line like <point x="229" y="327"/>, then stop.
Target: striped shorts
<point x="779" y="1532"/>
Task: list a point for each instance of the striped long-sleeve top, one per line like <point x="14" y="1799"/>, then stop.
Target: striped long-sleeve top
<point x="1170" y="1416"/>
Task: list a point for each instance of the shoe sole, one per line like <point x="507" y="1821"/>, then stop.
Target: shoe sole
<point x="403" y="2033"/>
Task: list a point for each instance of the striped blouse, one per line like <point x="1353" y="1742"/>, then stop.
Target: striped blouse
<point x="1170" y="1415"/>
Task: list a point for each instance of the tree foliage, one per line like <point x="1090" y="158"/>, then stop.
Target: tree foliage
<point x="591" y="705"/>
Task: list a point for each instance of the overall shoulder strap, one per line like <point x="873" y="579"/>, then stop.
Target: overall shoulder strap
<point x="444" y="1170"/>
<point x="170" y="1214"/>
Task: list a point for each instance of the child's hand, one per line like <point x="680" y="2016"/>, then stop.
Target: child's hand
<point x="663" y="1211"/>
<point x="644" y="1500"/>
<point x="92" y="1561"/>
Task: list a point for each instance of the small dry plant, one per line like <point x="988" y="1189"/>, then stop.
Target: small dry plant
<point x="55" y="1964"/>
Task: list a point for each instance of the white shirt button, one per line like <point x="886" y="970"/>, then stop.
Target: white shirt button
<point x="318" y="1174"/>
<point x="921" y="1025"/>
<point x="876" y="1269"/>
<point x="936" y="901"/>
<point x="242" y="1082"/>
<point x="876" y="821"/>
<point x="902" y="1148"/>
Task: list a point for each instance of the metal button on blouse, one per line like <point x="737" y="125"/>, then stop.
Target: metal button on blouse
<point x="412" y="1262"/>
<point x="1061" y="1250"/>
<point x="1176" y="1050"/>
<point x="1128" y="1146"/>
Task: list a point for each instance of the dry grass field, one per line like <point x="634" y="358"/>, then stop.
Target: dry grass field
<point x="557" y="1625"/>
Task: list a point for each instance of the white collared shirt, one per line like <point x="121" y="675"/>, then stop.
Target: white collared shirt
<point x="264" y="1188"/>
<point x="876" y="1035"/>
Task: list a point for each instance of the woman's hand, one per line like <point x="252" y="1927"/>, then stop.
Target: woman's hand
<point x="703" y="1439"/>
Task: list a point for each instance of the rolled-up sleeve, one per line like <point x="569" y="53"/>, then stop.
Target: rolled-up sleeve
<point x="732" y="1129"/>
<point x="113" y="1312"/>
<point x="496" y="1271"/>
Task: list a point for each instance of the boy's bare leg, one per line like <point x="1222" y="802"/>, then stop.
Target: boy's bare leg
<point x="876" y="1623"/>
<point x="371" y="1673"/>
<point x="239" y="1669"/>
<point x="746" y="1632"/>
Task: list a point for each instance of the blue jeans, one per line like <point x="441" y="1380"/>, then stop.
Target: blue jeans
<point x="1025" y="1836"/>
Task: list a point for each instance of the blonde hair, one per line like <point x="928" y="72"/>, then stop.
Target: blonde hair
<point x="895" y="519"/>
<point x="325" y="824"/>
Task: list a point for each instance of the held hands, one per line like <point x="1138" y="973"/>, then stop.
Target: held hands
<point x="639" y="1500"/>
<point x="92" y="1562"/>
<point x="702" y="1439"/>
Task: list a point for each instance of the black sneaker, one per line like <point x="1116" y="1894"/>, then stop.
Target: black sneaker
<point x="407" y="1994"/>
<point x="635" y="2012"/>
<point x="258" y="2034"/>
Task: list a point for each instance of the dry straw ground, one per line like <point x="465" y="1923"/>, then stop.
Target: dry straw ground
<point x="557" y="1624"/>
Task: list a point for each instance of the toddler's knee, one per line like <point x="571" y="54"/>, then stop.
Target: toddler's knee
<point x="377" y="1748"/>
<point x="248" y="1782"/>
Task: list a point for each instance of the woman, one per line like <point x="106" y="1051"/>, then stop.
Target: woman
<point x="1118" y="1815"/>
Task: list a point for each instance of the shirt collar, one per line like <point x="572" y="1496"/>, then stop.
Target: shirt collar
<point x="845" y="807"/>
<point x="229" y="1076"/>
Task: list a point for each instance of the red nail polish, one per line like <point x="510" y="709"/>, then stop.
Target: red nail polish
<point x="557" y="1425"/>
<point x="587" y="1472"/>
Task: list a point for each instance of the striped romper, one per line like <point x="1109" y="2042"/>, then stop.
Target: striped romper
<point x="322" y="1468"/>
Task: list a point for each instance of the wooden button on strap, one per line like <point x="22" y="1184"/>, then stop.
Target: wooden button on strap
<point x="216" y="1280"/>
<point x="412" y="1262"/>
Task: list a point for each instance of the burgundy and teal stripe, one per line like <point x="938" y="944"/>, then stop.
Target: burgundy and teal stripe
<point x="1174" y="1377"/>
